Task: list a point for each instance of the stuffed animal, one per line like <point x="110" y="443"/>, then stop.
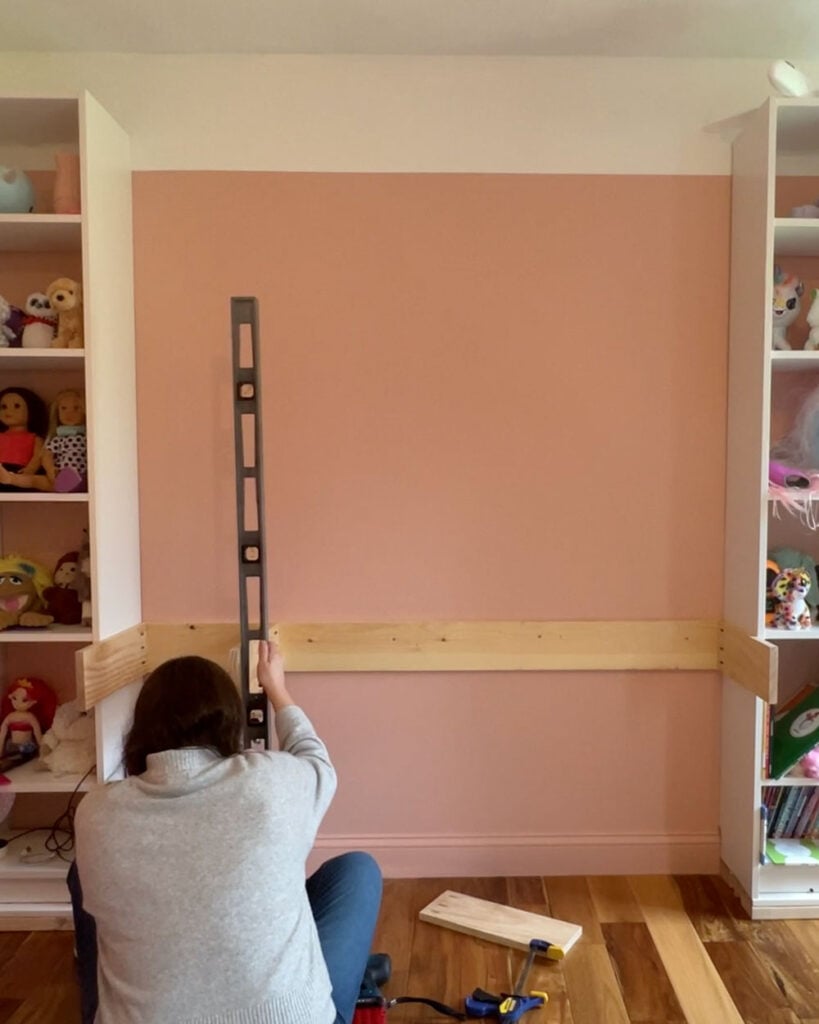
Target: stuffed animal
<point x="68" y="746"/>
<point x="22" y="583"/>
<point x="28" y="711"/>
<point x="790" y="588"/>
<point x="39" y="323"/>
<point x="16" y="191"/>
<point x="61" y="599"/>
<point x="808" y="210"/>
<point x="787" y="294"/>
<point x="6" y="333"/>
<point x="65" y="297"/>
<point x="83" y="582"/>
<point x="11" y="324"/>
<point x="787" y="476"/>
<point x="810" y="764"/>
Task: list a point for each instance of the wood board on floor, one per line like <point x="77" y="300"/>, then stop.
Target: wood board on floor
<point x="498" y="923"/>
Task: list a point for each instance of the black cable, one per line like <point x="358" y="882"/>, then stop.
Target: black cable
<point x="60" y="838"/>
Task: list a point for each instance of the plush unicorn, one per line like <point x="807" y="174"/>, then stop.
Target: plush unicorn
<point x="787" y="293"/>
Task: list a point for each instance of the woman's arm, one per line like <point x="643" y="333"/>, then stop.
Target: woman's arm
<point x="294" y="729"/>
<point x="270" y="673"/>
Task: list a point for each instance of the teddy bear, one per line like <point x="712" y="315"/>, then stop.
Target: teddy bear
<point x="39" y="323"/>
<point x="11" y="324"/>
<point x="65" y="297"/>
<point x="68" y="746"/>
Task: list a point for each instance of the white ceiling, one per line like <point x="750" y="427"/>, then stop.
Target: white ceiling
<point x="614" y="28"/>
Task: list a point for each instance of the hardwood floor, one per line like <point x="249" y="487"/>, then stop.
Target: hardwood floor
<point x="655" y="950"/>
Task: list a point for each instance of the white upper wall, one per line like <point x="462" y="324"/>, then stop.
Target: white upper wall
<point x="373" y="113"/>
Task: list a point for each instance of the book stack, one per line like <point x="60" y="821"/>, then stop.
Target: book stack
<point x="793" y="812"/>
<point x="792" y="831"/>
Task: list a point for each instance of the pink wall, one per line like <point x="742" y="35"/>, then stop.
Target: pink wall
<point x="486" y="396"/>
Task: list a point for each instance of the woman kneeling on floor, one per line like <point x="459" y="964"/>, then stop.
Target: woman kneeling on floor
<point x="189" y="886"/>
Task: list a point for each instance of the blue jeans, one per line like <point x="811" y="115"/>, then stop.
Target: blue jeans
<point x="345" y="896"/>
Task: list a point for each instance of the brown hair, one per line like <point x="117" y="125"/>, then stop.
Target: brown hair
<point x="185" y="702"/>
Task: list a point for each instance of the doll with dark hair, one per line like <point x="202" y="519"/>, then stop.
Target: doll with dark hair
<point x="23" y="426"/>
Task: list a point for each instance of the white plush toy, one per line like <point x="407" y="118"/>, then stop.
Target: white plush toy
<point x="787" y="293"/>
<point x="68" y="746"/>
<point x="813" y="322"/>
<point x="40" y="323"/>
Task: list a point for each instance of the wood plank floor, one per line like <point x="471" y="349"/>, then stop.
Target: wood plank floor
<point x="655" y="950"/>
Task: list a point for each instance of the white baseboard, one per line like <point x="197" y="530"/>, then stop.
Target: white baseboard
<point x="465" y="856"/>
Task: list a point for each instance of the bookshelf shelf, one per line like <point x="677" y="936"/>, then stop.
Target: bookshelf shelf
<point x="792" y="634"/>
<point x="790" y="780"/>
<point x="40" y="232"/>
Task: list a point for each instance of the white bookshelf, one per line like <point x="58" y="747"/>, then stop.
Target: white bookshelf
<point x="779" y="139"/>
<point x="99" y="244"/>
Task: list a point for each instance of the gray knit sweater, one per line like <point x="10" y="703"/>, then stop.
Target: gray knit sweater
<point x="195" y="874"/>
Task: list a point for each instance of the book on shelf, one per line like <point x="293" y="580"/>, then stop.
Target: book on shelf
<point x="793" y="851"/>
<point x="806" y="825"/>
<point x="795" y="730"/>
<point x="767" y="722"/>
<point x="791" y="812"/>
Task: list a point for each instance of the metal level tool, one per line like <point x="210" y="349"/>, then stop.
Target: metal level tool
<point x="247" y="431"/>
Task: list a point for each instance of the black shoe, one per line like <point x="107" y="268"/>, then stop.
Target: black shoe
<point x="379" y="968"/>
<point x="376" y="974"/>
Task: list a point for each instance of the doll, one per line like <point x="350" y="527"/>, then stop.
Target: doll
<point x="28" y="711"/>
<point x="62" y="600"/>
<point x="23" y="422"/>
<point x="63" y="457"/>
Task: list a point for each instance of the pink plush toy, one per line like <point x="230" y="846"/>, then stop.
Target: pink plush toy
<point x="810" y="764"/>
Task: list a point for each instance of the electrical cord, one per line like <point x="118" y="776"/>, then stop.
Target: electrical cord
<point x="59" y="841"/>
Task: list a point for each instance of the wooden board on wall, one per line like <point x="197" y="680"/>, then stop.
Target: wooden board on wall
<point x="500" y="646"/>
<point x="474" y="646"/>
<point x="105" y="667"/>
<point x="750" y="662"/>
<point x="212" y="640"/>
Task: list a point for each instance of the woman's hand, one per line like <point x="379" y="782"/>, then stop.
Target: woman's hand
<point x="270" y="673"/>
